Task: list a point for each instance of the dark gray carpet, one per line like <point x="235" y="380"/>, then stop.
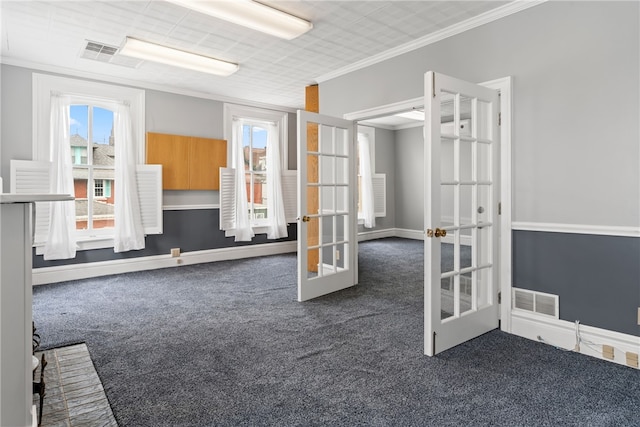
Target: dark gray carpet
<point x="226" y="344"/>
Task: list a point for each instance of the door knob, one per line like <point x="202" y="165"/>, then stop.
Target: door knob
<point x="438" y="232"/>
<point x="305" y="218"/>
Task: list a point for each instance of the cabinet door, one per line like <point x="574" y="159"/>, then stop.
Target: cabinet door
<point x="206" y="157"/>
<point x="172" y="152"/>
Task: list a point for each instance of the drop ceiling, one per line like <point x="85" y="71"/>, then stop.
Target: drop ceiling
<point x="54" y="35"/>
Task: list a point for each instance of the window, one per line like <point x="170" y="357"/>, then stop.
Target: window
<point x="98" y="188"/>
<point x="93" y="160"/>
<point x="92" y="151"/>
<point x="254" y="149"/>
<point x="257" y="181"/>
<point x="374" y="204"/>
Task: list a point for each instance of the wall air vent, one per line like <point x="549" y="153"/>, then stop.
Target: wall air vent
<point x="536" y="302"/>
<point x="105" y="53"/>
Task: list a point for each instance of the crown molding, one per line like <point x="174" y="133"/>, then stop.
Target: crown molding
<point x="469" y="24"/>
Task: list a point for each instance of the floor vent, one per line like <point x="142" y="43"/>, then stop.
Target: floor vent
<point x="536" y="302"/>
<point x="104" y="53"/>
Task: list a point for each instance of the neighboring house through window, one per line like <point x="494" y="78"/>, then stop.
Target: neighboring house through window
<point x="257" y="192"/>
<point x="93" y="167"/>
<point x="96" y="112"/>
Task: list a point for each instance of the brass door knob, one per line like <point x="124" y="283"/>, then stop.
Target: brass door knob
<point x="438" y="232"/>
<point x="305" y="218"/>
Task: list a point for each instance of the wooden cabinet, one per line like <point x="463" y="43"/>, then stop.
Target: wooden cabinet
<point x="188" y="162"/>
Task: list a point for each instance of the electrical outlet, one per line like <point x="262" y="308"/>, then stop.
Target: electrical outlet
<point x="632" y="359"/>
<point x="175" y="252"/>
<point x="607" y="352"/>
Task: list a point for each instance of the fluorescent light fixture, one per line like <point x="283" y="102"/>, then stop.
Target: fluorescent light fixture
<point x="252" y="15"/>
<point x="177" y="58"/>
<point x="413" y="115"/>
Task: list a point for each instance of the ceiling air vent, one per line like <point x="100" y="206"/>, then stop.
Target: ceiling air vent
<point x="536" y="302"/>
<point x="105" y="53"/>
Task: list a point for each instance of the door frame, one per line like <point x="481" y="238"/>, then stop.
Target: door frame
<point x="505" y="87"/>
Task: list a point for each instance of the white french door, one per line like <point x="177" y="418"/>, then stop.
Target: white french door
<point x="327" y="212"/>
<point x="461" y="211"/>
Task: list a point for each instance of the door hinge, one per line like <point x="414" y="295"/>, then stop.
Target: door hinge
<point x="499" y="297"/>
<point x="499" y="208"/>
<point x="499" y="119"/>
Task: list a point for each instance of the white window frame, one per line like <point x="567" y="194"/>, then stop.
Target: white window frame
<point x="84" y="92"/>
<point x="371" y="134"/>
<point x="254" y="114"/>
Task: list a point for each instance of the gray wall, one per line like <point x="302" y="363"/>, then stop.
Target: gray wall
<point x="385" y="163"/>
<point x="16" y="133"/>
<point x="569" y="265"/>
<point x="195" y="229"/>
<point x="409" y="187"/>
<point x="575" y="67"/>
<point x="576" y="156"/>
<point x="189" y="230"/>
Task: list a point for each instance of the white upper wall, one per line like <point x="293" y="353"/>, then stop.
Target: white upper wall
<point x="576" y="73"/>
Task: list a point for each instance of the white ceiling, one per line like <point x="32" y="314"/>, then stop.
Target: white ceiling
<point x="52" y="35"/>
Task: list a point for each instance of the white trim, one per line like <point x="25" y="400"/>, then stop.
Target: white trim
<point x="385" y="110"/>
<point x="44" y="84"/>
<point x="505" y="87"/>
<point x="190" y="207"/>
<point x="37" y="67"/>
<point x="63" y="273"/>
<point x="376" y="234"/>
<point x="562" y="334"/>
<point x="460" y="27"/>
<point x="409" y="234"/>
<point x="280" y="118"/>
<point x="602" y="230"/>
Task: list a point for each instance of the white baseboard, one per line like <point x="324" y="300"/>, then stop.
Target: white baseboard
<point x="409" y="234"/>
<point x="376" y="234"/>
<point x="63" y="273"/>
<point x="562" y="334"/>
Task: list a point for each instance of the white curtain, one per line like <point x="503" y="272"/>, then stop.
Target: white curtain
<point x="243" y="231"/>
<point x="61" y="241"/>
<point x="275" y="201"/>
<point x="366" y="181"/>
<point x="129" y="234"/>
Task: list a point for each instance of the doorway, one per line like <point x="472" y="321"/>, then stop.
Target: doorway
<point x="389" y="113"/>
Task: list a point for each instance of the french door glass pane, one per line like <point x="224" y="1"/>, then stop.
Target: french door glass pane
<point x="342" y="142"/>
<point x="342" y="170"/>
<point x="313" y="271"/>
<point x="466" y="166"/>
<point x="446" y="160"/>
<point x="447" y="193"/>
<point x="327" y="229"/>
<point x="326" y="139"/>
<point x="466" y="205"/>
<point x="465" y="107"/>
